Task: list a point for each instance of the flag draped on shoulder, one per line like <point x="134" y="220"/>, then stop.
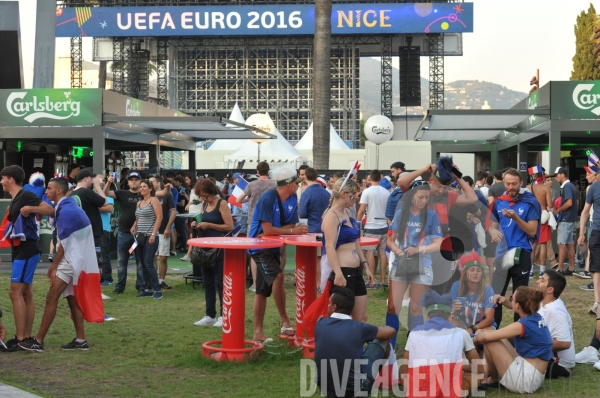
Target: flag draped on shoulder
<point x="75" y="235"/>
<point x="237" y="191"/>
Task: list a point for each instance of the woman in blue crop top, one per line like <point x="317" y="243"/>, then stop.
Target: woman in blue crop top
<point x="342" y="256"/>
<point x="521" y="368"/>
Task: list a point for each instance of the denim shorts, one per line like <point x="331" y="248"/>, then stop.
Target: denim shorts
<point x="564" y="235"/>
<point x="424" y="279"/>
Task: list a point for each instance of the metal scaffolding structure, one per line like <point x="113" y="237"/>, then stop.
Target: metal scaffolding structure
<point x="436" y="71"/>
<point x="266" y="75"/>
<point x="386" y="76"/>
<point x="76" y="63"/>
<point x="162" y="57"/>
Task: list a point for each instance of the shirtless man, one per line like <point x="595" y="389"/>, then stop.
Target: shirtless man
<point x="543" y="195"/>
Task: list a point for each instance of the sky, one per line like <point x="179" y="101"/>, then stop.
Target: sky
<point x="511" y="39"/>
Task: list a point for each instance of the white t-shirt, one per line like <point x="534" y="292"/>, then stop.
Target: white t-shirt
<point x="484" y="190"/>
<point x="560" y="325"/>
<point x="375" y="198"/>
<point x="194" y="209"/>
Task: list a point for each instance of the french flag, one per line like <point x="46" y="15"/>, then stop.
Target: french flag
<point x="351" y="173"/>
<point x="75" y="235"/>
<point x="435" y="361"/>
<point x="590" y="169"/>
<point x="593" y="158"/>
<point x="535" y="169"/>
<point x="237" y="191"/>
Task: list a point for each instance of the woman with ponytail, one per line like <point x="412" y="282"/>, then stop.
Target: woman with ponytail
<point x="520" y="368"/>
<point x="342" y="257"/>
<point x="416" y="233"/>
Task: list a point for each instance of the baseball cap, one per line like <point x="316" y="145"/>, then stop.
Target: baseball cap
<point x="398" y="165"/>
<point x="560" y="170"/>
<point x="236" y="175"/>
<point x="134" y="174"/>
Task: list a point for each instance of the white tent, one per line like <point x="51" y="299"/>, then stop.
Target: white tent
<point x="230" y="145"/>
<point x="335" y="142"/>
<point x="275" y="151"/>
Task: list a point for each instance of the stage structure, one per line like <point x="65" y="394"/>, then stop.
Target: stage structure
<point x="211" y="54"/>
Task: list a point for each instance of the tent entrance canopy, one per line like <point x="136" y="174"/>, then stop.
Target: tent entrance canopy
<point x="192" y="128"/>
<point x="473" y="124"/>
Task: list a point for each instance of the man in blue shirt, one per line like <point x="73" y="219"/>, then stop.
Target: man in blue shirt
<point x="568" y="212"/>
<point x="276" y="213"/>
<point x="515" y="226"/>
<point x="314" y="201"/>
<point x="340" y="340"/>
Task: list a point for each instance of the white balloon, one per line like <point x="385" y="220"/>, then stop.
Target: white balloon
<point x="263" y="122"/>
<point x="379" y="129"/>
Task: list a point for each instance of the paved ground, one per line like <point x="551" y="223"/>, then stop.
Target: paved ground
<point x="12" y="392"/>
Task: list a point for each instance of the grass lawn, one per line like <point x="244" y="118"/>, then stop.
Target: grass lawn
<point x="154" y="350"/>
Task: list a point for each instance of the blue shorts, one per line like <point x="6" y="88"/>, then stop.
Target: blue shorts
<point x="22" y="270"/>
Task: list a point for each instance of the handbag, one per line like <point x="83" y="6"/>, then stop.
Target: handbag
<point x="140" y="238"/>
<point x="204" y="257"/>
<point x="409" y="267"/>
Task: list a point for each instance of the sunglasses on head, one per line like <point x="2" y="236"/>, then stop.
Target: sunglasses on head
<point x="419" y="183"/>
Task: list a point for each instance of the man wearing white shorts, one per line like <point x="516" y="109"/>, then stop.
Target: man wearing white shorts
<point x="164" y="232"/>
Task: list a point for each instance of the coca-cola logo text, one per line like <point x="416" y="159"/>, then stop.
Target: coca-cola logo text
<point x="227" y="301"/>
<point x="300" y="293"/>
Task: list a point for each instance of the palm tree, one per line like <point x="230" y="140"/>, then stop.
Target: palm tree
<point x="322" y="84"/>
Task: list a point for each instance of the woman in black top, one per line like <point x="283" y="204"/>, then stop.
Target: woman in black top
<point x="216" y="221"/>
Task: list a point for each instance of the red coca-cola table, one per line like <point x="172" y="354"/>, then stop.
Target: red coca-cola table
<point x="306" y="278"/>
<point x="233" y="346"/>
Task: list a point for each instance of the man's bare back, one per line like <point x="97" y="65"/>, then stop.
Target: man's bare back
<point x="542" y="194"/>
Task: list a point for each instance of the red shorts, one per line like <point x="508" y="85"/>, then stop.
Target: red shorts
<point x="545" y="233"/>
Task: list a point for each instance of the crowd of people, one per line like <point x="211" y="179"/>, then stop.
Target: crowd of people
<point x="450" y="248"/>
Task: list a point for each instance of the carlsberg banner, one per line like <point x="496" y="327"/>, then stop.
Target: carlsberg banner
<point x="575" y="100"/>
<point x="51" y="107"/>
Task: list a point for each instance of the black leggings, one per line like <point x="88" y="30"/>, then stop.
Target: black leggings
<point x="519" y="275"/>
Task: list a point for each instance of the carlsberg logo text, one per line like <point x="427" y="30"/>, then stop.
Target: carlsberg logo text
<point x="583" y="98"/>
<point x="34" y="108"/>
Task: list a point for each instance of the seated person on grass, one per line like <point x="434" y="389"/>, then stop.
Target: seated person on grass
<point x="339" y="344"/>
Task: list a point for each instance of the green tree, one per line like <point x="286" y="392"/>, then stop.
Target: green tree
<point x="363" y="137"/>
<point x="585" y="66"/>
<point x="322" y="84"/>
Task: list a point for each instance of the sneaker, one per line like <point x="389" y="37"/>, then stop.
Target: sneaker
<point x="219" y="322"/>
<point x="593" y="308"/>
<point x="163" y="285"/>
<point x="597" y="365"/>
<point x="252" y="288"/>
<point x="587" y="355"/>
<point x="107" y="283"/>
<point x="117" y="291"/>
<point x="541" y="274"/>
<point x="531" y="274"/>
<point x="12" y="345"/>
<point x="75" y="345"/>
<point x="582" y="274"/>
<point x="589" y="286"/>
<point x="567" y="272"/>
<point x="185" y="258"/>
<point x="144" y="293"/>
<point x="50" y="257"/>
<point x="555" y="265"/>
<point x="31" y="344"/>
<point x="157" y="295"/>
<point x="206" y="321"/>
<point x="173" y="253"/>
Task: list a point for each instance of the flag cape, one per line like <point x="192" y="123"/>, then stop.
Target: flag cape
<point x="75" y="234"/>
<point x="237" y="191"/>
<point x="317" y="309"/>
<point x="435" y="361"/>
